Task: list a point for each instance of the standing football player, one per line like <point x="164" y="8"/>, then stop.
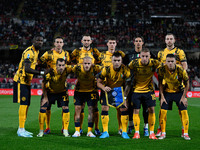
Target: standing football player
<point x="22" y="82"/>
<point x="180" y="60"/>
<point x="176" y="87"/>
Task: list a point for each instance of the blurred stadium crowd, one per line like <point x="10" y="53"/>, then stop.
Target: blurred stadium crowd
<point x="19" y="21"/>
<point x="125" y="19"/>
<point x="8" y="71"/>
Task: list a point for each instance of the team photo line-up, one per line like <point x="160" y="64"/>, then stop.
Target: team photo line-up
<point x="115" y="74"/>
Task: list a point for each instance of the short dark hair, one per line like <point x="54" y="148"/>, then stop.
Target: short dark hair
<point x="86" y="34"/>
<point x="59" y="60"/>
<point x="170" y="34"/>
<point x="37" y="35"/>
<point x="145" y="50"/>
<point x="111" y="38"/>
<point x="58" y="37"/>
<point x="139" y="37"/>
<point x="117" y="54"/>
<point x="170" y="56"/>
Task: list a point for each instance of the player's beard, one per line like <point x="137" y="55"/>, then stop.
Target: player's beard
<point x="59" y="49"/>
<point x="86" y="46"/>
<point x="116" y="67"/>
<point x="60" y="71"/>
<point x="171" y="67"/>
<point x="138" y="48"/>
<point x="37" y="47"/>
<point x="170" y="45"/>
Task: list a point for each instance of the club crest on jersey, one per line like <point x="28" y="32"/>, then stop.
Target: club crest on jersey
<point x="114" y="93"/>
<point x="23" y="98"/>
<point x="28" y="56"/>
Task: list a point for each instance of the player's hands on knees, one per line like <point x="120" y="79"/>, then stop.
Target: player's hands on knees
<point x="125" y="104"/>
<point x="107" y="89"/>
<point x="162" y="100"/>
<point x="184" y="101"/>
<point x="44" y="101"/>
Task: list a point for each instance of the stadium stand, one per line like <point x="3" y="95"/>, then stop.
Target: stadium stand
<point x="123" y="19"/>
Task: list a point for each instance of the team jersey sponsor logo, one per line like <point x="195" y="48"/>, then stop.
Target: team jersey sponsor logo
<point x="23" y="98"/>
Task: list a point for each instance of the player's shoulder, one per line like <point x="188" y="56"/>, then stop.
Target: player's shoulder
<point x="95" y="49"/>
<point x="49" y="52"/>
<point x="29" y="49"/>
<point x="77" y="68"/>
<point x="65" y="51"/>
<point x="97" y="66"/>
<point x="124" y="66"/>
<point x="161" y="51"/>
<point x="49" y="75"/>
<point x="102" y="53"/>
<point x="179" y="68"/>
<point x="154" y="61"/>
<point x="121" y="52"/>
<point x="107" y="68"/>
<point x="162" y="68"/>
<point x="77" y="50"/>
<point x="162" y="65"/>
<point x="135" y="61"/>
<point x="179" y="50"/>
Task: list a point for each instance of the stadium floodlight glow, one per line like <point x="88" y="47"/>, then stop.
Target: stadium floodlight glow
<point x="166" y="16"/>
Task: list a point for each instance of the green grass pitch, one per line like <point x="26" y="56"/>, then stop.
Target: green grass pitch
<point x="55" y="140"/>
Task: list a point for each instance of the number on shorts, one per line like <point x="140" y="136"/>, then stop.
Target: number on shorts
<point x="64" y="98"/>
<point x="153" y="96"/>
<point x="93" y="96"/>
